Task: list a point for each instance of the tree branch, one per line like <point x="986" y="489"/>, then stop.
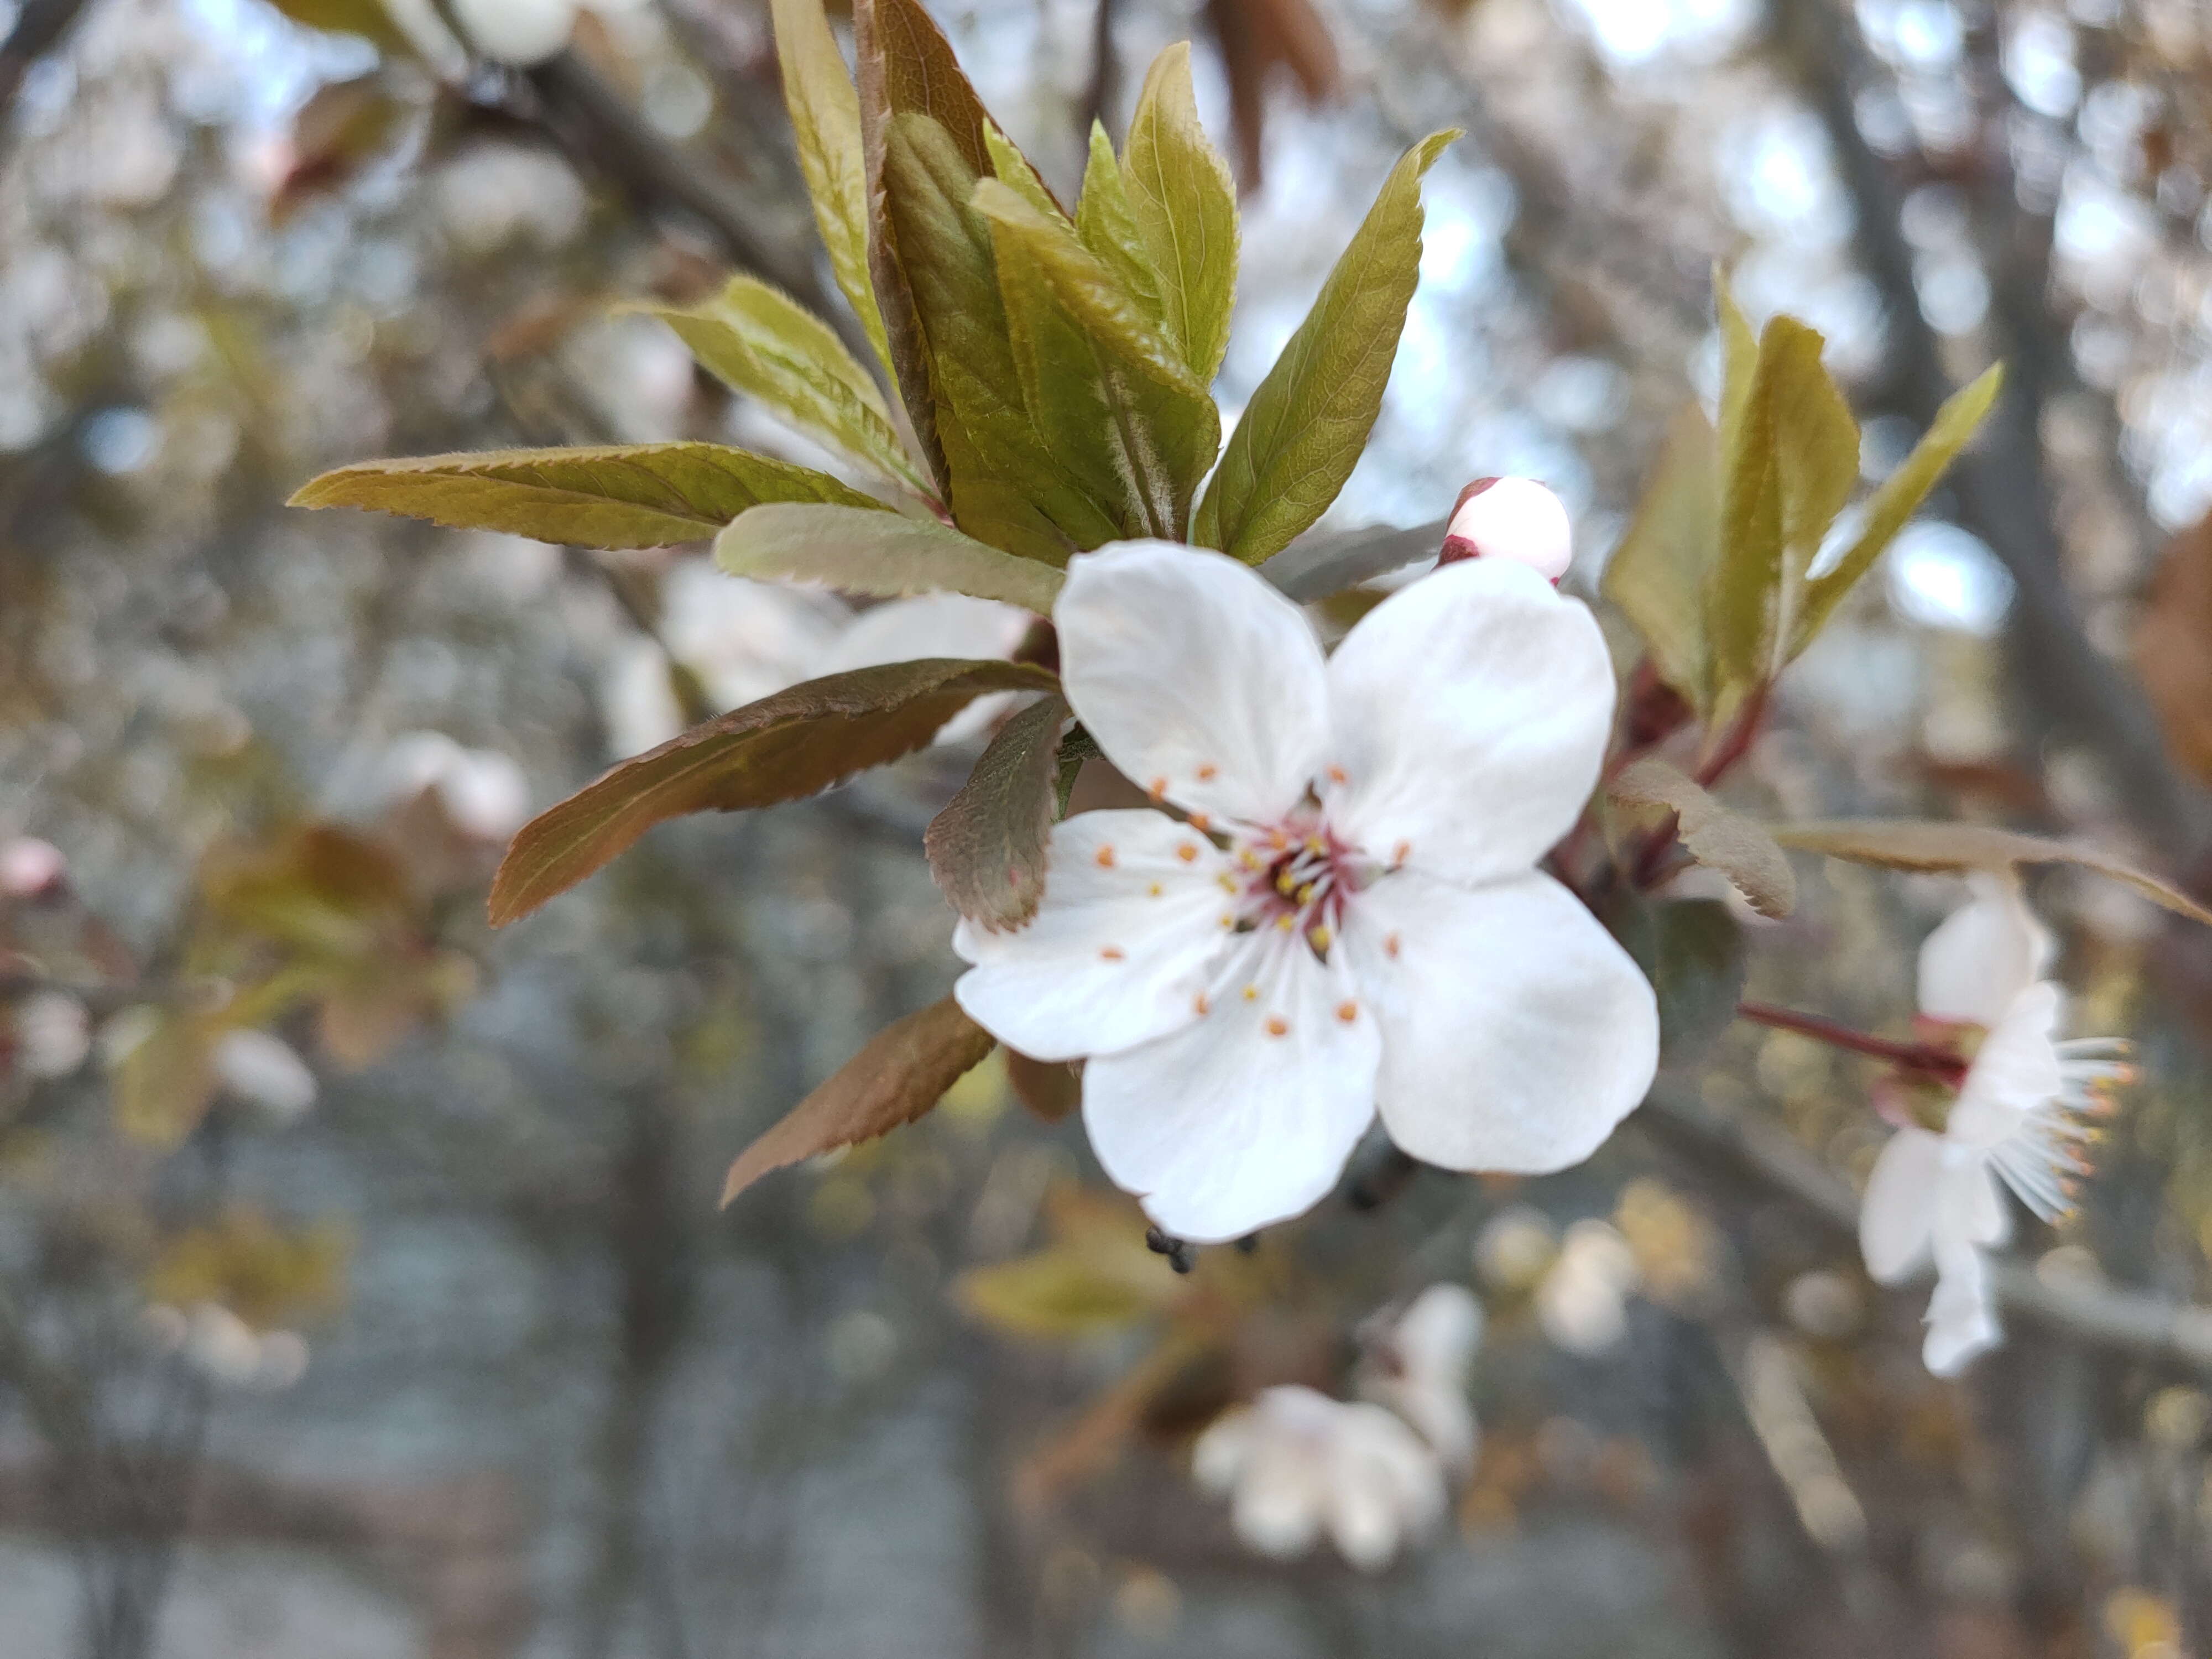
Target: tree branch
<point x="1767" y="1157"/>
<point x="604" y="135"/>
<point x="2003" y="492"/>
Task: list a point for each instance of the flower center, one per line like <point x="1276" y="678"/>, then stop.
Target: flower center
<point x="1297" y="876"/>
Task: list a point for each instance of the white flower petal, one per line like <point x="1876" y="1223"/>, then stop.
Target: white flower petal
<point x="1383" y="1485"/>
<point x="1197" y="678"/>
<point x="1244" y="1117"/>
<point x="517" y="31"/>
<point x="1472" y="711"/>
<point x="1983" y="954"/>
<point x="1898" y="1216"/>
<point x="1515" y="1032"/>
<point x="1962" y="1320"/>
<point x="1224" y="1450"/>
<point x="1129" y="934"/>
<point x="264" y="1070"/>
<point x="2015" y="1072"/>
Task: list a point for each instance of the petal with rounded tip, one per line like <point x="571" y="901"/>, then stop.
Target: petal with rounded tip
<point x="1198" y="679"/>
<point x="1515" y="1032"/>
<point x="1515" y="518"/>
<point x="1129" y="934"/>
<point x="1246" y="1115"/>
<point x="1983" y="954"/>
<point x="1897" y="1217"/>
<point x="1472" y="711"/>
<point x="1962" y="1320"/>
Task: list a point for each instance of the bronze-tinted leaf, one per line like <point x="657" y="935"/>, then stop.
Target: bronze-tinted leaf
<point x="1050" y="1089"/>
<point x="905" y="65"/>
<point x="1907" y="844"/>
<point x="611" y="496"/>
<point x="900" y="1076"/>
<point x="987" y="849"/>
<point x="795" y="744"/>
<point x="1737" y="847"/>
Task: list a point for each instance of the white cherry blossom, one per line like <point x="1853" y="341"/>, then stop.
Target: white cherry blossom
<point x="483" y="791"/>
<point x="1296" y="1463"/>
<point x="1349" y="918"/>
<point x="1417" y="1365"/>
<point x="2021" y="1120"/>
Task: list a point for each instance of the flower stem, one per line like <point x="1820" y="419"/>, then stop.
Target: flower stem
<point x="1918" y="1057"/>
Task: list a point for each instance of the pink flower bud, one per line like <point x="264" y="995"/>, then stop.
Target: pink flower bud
<point x="1510" y="519"/>
<point x="29" y="867"/>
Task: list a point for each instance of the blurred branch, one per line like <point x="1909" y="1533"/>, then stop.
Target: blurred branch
<point x="1768" y="1157"/>
<point x="39" y="26"/>
<point x="2002" y="491"/>
<point x="603" y="134"/>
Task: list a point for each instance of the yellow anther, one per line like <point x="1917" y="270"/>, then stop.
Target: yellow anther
<point x="1319" y="937"/>
<point x="1251" y="993"/>
<point x="1277" y="1026"/>
<point x="1157" y="889"/>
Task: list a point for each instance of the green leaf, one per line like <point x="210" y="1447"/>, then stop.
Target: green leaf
<point x="1107" y="224"/>
<point x="1817" y="443"/>
<point x="1055" y="1293"/>
<point x="900" y="1076"/>
<point x="825" y="116"/>
<point x="1658" y="574"/>
<point x="618" y="496"/>
<point x="907" y="67"/>
<point x="1184" y="203"/>
<point x="1896" y="501"/>
<point x="1692" y="951"/>
<point x="1716" y="838"/>
<point x="1743" y="589"/>
<point x="879" y="554"/>
<point x="1907" y="844"/>
<point x="946" y="249"/>
<point x="1114" y="402"/>
<point x="367" y="18"/>
<point x="1305" y="426"/>
<point x="987" y="849"/>
<point x="795" y="744"/>
<point x="1739" y="364"/>
<point x="760" y="341"/>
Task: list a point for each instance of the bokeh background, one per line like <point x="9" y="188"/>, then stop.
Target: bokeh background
<point x="436" y="1344"/>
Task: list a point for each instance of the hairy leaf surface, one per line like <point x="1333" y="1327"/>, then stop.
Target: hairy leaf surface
<point x="879" y="554"/>
<point x="1716" y="838"/>
<point x="785" y="747"/>
<point x="987" y="849"/>
<point x="1184" y="203"/>
<point x="759" y="340"/>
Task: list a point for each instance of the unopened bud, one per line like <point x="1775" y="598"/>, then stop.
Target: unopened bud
<point x="30" y="867"/>
<point x="1515" y="519"/>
